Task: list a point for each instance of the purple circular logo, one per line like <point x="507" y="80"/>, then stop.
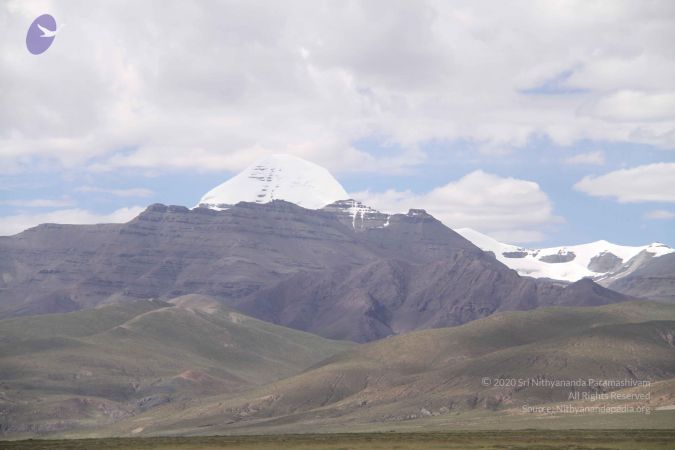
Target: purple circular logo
<point x="41" y="34"/>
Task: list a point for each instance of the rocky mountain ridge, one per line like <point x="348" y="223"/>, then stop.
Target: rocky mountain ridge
<point x="308" y="269"/>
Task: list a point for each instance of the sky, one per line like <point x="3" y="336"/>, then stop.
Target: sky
<point x="538" y="123"/>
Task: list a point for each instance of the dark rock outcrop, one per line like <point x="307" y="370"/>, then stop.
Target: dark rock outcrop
<point x="605" y="262"/>
<point x="558" y="258"/>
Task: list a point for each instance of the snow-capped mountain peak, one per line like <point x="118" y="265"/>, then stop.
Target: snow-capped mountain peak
<point x="598" y="260"/>
<point x="278" y="177"/>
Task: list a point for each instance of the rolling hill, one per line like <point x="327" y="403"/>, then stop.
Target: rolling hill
<point x="192" y="367"/>
<point x="438" y="374"/>
<point x="91" y="367"/>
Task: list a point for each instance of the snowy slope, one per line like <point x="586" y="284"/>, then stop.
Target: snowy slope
<point x="570" y="263"/>
<point x="278" y="177"/>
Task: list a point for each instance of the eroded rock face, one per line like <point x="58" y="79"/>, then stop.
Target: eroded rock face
<point x="647" y="277"/>
<point x="605" y="262"/>
<point x="357" y="215"/>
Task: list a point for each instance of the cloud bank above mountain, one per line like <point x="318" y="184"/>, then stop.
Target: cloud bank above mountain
<point x="506" y="208"/>
<point x="10" y="225"/>
<point x="211" y="85"/>
<point x="648" y="183"/>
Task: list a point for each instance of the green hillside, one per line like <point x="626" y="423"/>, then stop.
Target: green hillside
<point x="436" y="376"/>
<point x="191" y="367"/>
<point x="67" y="371"/>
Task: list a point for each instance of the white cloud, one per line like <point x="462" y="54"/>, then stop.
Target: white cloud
<point x="40" y="202"/>
<point x="236" y="79"/>
<point x="635" y="106"/>
<point x="131" y="192"/>
<point x="648" y="183"/>
<point x="10" y="225"/>
<point x="507" y="208"/>
<point x="660" y="214"/>
<point x="596" y="158"/>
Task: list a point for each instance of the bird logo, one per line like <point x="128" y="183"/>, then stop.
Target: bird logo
<point x="41" y="34"/>
<point x="45" y="32"/>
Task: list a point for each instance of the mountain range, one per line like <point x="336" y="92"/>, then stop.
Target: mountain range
<point x="286" y="177"/>
<point x="380" y="273"/>
<point x="280" y="304"/>
<point x="307" y="269"/>
<point x="600" y="260"/>
<point x="303" y="183"/>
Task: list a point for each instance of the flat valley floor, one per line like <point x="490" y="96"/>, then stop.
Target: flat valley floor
<point x="529" y="439"/>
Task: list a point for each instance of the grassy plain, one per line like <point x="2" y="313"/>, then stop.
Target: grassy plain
<point x="528" y="439"/>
